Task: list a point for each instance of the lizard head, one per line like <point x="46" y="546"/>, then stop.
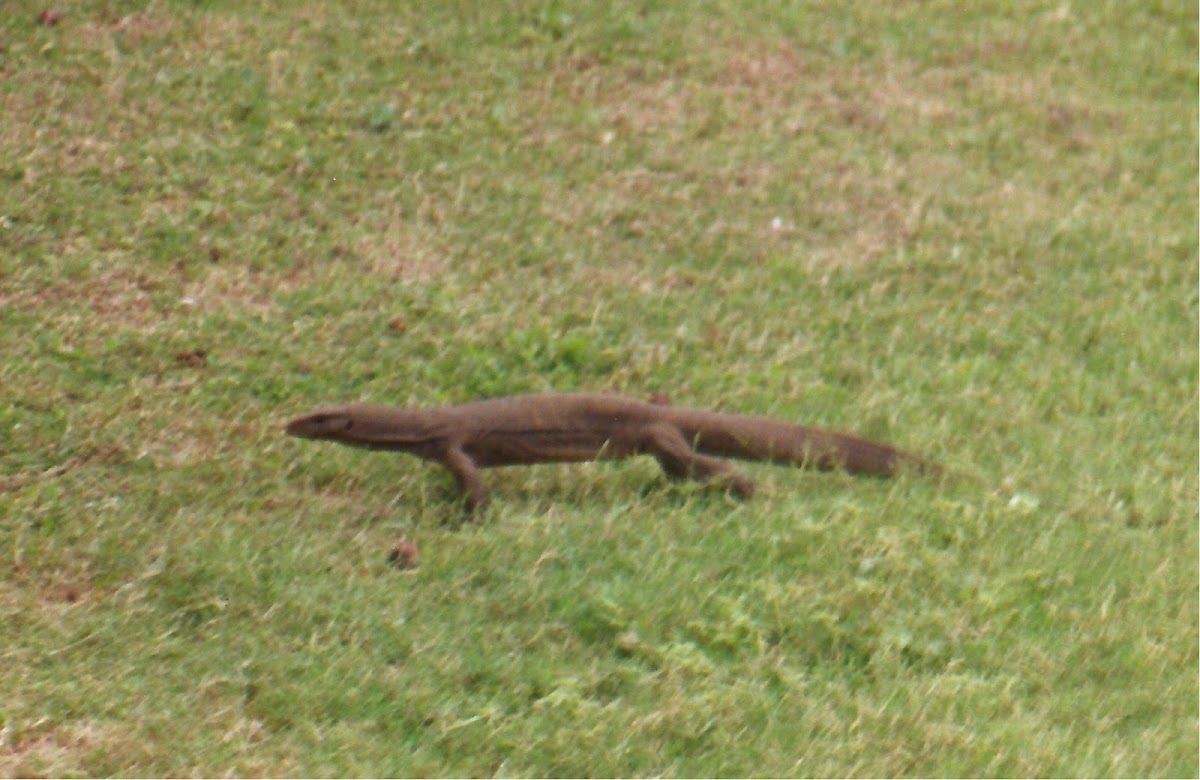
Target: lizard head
<point x="366" y="425"/>
<point x="333" y="423"/>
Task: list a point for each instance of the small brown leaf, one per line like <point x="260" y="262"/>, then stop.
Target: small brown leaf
<point x="50" y="17"/>
<point x="398" y="324"/>
<point x="195" y="358"/>
<point x="404" y="555"/>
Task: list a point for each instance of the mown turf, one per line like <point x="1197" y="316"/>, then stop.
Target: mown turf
<point x="967" y="229"/>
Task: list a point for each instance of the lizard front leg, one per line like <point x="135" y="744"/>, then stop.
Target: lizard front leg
<point x="677" y="459"/>
<point x="467" y="474"/>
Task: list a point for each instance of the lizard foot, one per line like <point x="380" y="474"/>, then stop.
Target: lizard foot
<point x="743" y="488"/>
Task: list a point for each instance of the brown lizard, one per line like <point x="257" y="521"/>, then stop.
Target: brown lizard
<point x="556" y="427"/>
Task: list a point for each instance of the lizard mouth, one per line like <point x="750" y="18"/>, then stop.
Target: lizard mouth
<point x="308" y="426"/>
<point x="292" y="428"/>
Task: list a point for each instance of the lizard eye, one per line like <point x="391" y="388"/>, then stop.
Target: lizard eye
<point x="349" y="424"/>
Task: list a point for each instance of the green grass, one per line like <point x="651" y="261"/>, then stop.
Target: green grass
<point x="968" y="229"/>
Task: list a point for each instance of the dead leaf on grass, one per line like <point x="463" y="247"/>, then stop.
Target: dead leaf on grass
<point x="194" y="358"/>
<point x="404" y="555"/>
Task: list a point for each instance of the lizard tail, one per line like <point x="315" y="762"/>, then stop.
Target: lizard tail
<point x="763" y="439"/>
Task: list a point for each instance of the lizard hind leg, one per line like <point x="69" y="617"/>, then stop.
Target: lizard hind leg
<point x="679" y="461"/>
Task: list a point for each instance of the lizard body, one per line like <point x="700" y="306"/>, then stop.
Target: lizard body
<point x="564" y="427"/>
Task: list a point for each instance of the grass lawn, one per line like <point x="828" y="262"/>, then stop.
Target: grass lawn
<point x="968" y="229"/>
